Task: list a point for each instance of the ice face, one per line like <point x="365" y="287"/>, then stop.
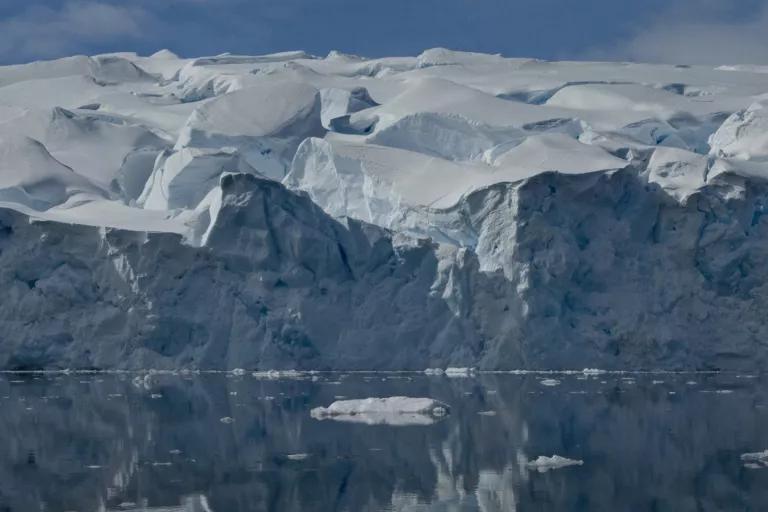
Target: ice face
<point x="450" y="210"/>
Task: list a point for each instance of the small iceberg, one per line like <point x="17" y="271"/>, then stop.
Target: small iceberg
<point x="278" y="374"/>
<point x="756" y="460"/>
<point x="394" y="410"/>
<point x="459" y="372"/>
<point x="543" y="464"/>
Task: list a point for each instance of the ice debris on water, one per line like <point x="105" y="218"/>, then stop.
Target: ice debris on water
<point x="543" y="464"/>
<point x="455" y="372"/>
<point x="395" y="410"/>
<point x="755" y="460"/>
<point x="278" y="374"/>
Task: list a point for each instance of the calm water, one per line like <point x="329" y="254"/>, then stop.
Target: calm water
<point x="649" y="443"/>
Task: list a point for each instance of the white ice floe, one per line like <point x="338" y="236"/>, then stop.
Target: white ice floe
<point x="459" y="372"/>
<point x="278" y="374"/>
<point x="395" y="410"/>
<point x="543" y="464"/>
<point x="755" y="460"/>
<point x="549" y="382"/>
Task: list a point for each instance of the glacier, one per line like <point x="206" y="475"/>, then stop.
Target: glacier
<point x="453" y="209"/>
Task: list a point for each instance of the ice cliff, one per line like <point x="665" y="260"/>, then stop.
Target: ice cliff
<point x="450" y="209"/>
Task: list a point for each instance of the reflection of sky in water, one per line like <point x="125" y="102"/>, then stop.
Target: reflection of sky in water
<point x="648" y="442"/>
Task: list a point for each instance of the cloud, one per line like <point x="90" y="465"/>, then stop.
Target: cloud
<point x="706" y="32"/>
<point x="42" y="32"/>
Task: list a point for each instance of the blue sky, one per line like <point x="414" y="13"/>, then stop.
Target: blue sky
<point x="686" y="31"/>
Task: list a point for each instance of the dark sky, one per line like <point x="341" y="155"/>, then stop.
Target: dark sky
<point x="685" y="31"/>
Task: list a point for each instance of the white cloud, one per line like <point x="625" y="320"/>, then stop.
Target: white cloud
<point x="676" y="38"/>
<point x="40" y="32"/>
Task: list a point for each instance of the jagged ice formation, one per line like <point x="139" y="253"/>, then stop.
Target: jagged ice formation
<point x="450" y="209"/>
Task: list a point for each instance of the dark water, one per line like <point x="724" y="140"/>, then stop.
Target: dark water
<point x="653" y="443"/>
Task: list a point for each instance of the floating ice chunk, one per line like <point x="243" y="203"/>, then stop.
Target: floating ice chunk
<point x="550" y="382"/>
<point x="227" y="420"/>
<point x="393" y="404"/>
<point x="395" y="410"/>
<point x="755" y="460"/>
<point x="297" y="456"/>
<point x="543" y="464"/>
<point x="459" y="372"/>
<point x="278" y="374"/>
<point x="434" y="371"/>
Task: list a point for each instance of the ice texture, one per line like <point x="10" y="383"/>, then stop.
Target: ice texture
<point x="394" y="410"/>
<point x="543" y="464"/>
<point x="450" y="210"/>
<point x="756" y="460"/>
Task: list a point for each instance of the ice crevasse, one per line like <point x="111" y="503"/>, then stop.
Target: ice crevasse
<point x="450" y="209"/>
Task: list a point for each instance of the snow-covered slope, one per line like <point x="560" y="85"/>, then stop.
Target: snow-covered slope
<point x="459" y="209"/>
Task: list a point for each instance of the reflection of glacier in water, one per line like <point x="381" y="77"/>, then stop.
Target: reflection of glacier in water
<point x="113" y="442"/>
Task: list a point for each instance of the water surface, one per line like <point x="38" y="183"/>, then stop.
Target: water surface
<point x="226" y="443"/>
